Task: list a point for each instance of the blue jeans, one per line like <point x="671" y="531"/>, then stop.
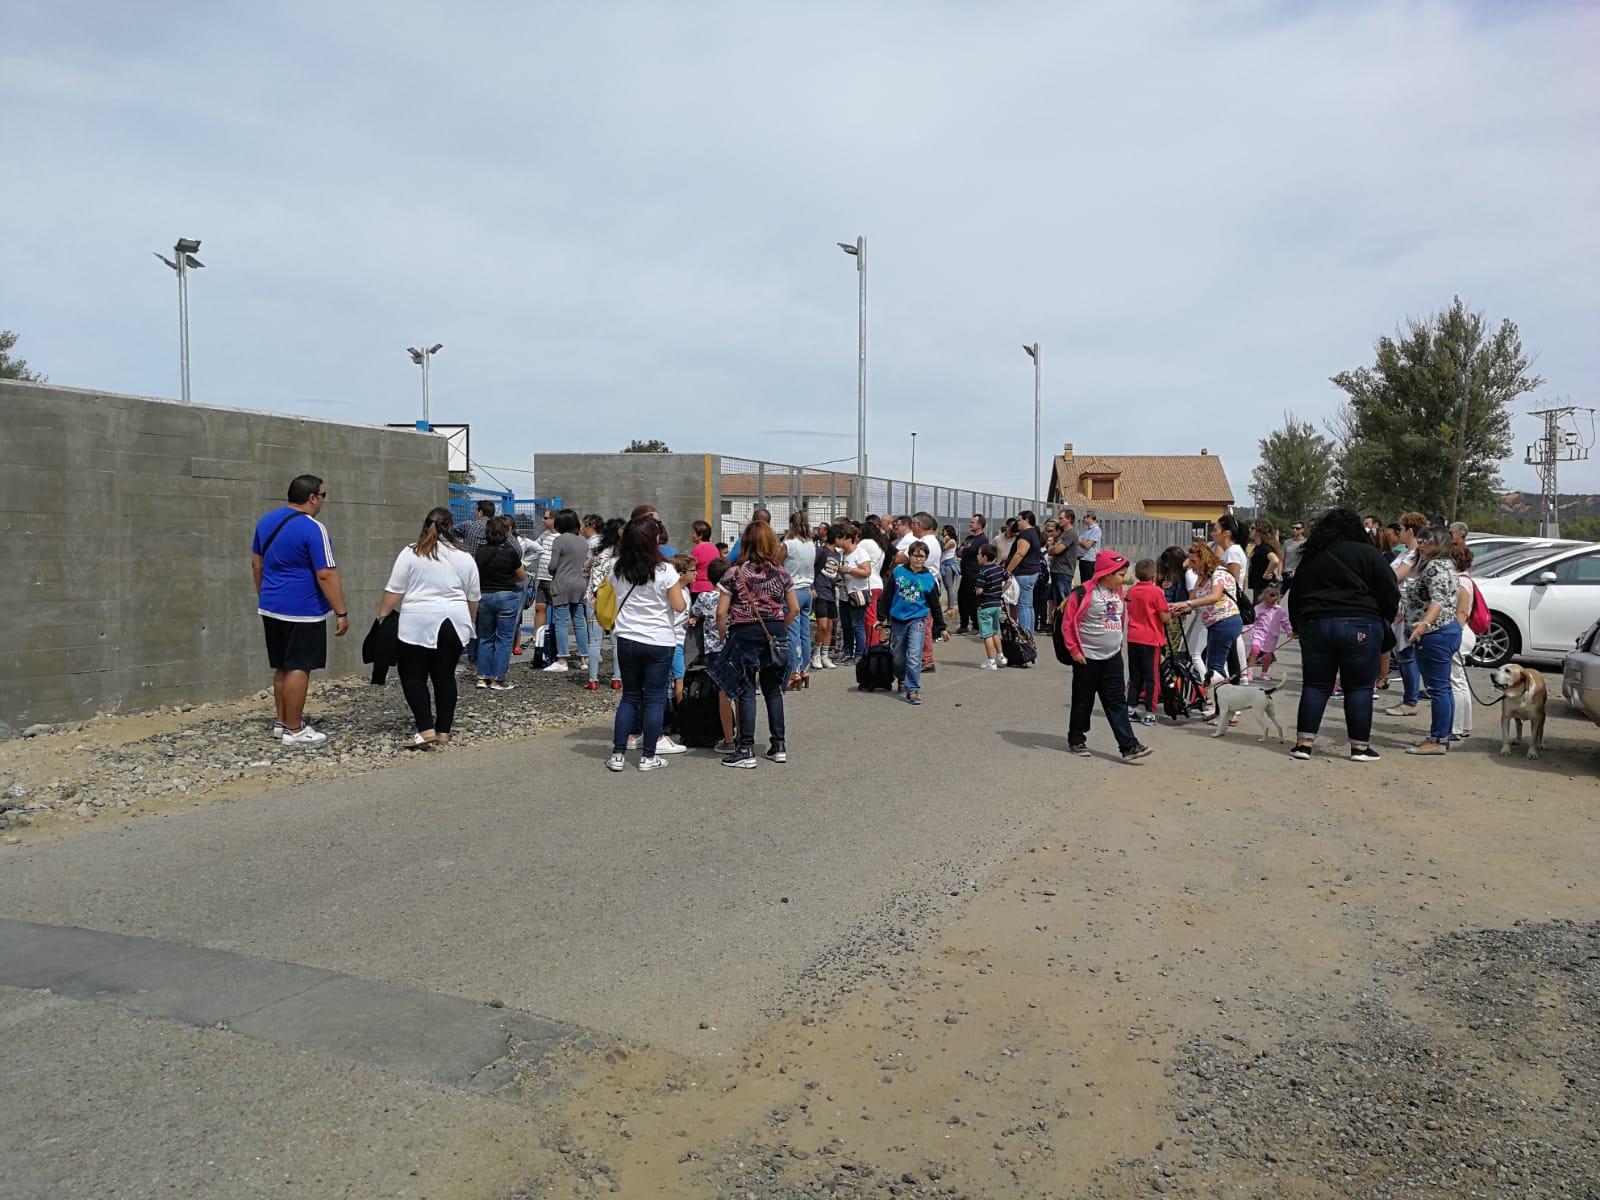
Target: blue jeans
<point x="597" y="641"/>
<point x="800" y="634"/>
<point x="907" y="637"/>
<point x="1025" y="586"/>
<point x="1219" y="640"/>
<point x="646" y="677"/>
<point x="748" y="644"/>
<point x="498" y="614"/>
<point x="565" y="615"/>
<point x="1434" y="652"/>
<point x="855" y="629"/>
<point x="1405" y="657"/>
<point x="1346" y="650"/>
<point x="948" y="575"/>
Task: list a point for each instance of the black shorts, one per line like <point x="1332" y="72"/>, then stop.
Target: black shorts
<point x="296" y="645"/>
<point x="825" y="610"/>
<point x="542" y="594"/>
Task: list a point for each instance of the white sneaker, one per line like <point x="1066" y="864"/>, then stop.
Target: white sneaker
<point x="558" y="666"/>
<point x="635" y="741"/>
<point x="653" y="764"/>
<point x="616" y="763"/>
<point x="827" y="663"/>
<point x="816" y="660"/>
<point x="306" y="736"/>
<point x="278" y="730"/>
<point x="1000" y="660"/>
<point x="665" y="745"/>
<point x="988" y="664"/>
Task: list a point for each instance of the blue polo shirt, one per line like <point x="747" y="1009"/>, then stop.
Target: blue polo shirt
<point x="289" y="568"/>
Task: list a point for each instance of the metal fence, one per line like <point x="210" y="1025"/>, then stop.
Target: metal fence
<point x="527" y="513"/>
<point x="749" y="484"/>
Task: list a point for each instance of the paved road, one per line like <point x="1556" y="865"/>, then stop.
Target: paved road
<point x="633" y="905"/>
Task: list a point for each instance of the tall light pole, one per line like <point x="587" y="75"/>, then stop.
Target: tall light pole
<point x="859" y="252"/>
<point x="912" y="502"/>
<point x="182" y="259"/>
<point x="422" y="358"/>
<point x="1038" y="366"/>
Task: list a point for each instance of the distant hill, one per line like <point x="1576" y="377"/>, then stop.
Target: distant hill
<point x="1525" y="505"/>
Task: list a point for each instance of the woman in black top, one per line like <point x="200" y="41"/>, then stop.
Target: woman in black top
<point x="500" y="571"/>
<point x="1266" y="561"/>
<point x="1344" y="598"/>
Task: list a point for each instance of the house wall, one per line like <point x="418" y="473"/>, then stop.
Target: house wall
<point x="129" y="523"/>
<point x="1208" y="510"/>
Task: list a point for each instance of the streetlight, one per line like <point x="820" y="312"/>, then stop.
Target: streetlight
<point x="1038" y="365"/>
<point x="859" y="253"/>
<point x="422" y="358"/>
<point x="182" y="259"/>
<point x="912" y="503"/>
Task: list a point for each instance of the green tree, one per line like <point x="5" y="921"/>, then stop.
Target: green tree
<point x="653" y="446"/>
<point x="1426" y="426"/>
<point x="1291" y="480"/>
<point x="14" y="368"/>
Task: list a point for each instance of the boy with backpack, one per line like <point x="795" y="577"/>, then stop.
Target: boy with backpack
<point x="989" y="585"/>
<point x="1095" y="626"/>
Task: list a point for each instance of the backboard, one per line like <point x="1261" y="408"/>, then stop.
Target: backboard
<point x="456" y="436"/>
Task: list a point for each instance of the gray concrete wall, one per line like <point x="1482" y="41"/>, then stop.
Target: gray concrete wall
<point x="129" y="523"/>
<point x="613" y="484"/>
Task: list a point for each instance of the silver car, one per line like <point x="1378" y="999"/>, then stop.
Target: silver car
<point x="1580" y="674"/>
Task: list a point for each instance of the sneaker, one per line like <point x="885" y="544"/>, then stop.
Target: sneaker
<point x="1402" y="710"/>
<point x="1137" y="750"/>
<point x="744" y="757"/>
<point x="1300" y="753"/>
<point x="988" y="664"/>
<point x="517" y="650"/>
<point x="501" y="687"/>
<point x="930" y="668"/>
<point x="665" y="745"/>
<point x="1078" y="750"/>
<point x="827" y="663"/>
<point x="278" y="730"/>
<point x="1000" y="660"/>
<point x="913" y="698"/>
<point x="616" y="685"/>
<point x="558" y="667"/>
<point x="1148" y="719"/>
<point x="1364" y="754"/>
<point x="635" y="741"/>
<point x="654" y="763"/>
<point x="724" y="746"/>
<point x="616" y="763"/>
<point x="816" y="660"/>
<point x="591" y="686"/>
<point x="304" y="736"/>
<point x="777" y="753"/>
<point x="482" y="685"/>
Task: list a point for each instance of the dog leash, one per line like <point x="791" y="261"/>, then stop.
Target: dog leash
<point x="1465" y="674"/>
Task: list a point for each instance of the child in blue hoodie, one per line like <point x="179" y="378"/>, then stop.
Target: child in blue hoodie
<point x="909" y="611"/>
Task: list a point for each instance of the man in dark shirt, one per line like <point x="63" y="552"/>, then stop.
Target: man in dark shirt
<point x="473" y="533"/>
<point x="966" y="596"/>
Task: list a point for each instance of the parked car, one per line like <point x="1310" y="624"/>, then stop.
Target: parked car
<point x="1503" y="560"/>
<point x="1540" y="607"/>
<point x="1580" y="674"/>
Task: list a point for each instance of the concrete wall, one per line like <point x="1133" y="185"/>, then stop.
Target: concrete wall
<point x="613" y="484"/>
<point x="128" y="522"/>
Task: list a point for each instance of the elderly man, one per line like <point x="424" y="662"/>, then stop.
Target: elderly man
<point x="1458" y="533"/>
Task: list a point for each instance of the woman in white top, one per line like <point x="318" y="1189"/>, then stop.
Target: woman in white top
<point x="650" y="593"/>
<point x="874" y="543"/>
<point x="1225" y="534"/>
<point x="1461" y="719"/>
<point x="800" y="560"/>
<point x="435" y="585"/>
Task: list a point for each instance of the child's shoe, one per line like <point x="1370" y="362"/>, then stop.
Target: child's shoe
<point x="1137" y="750"/>
<point x="1148" y="719"/>
<point x="1078" y="750"/>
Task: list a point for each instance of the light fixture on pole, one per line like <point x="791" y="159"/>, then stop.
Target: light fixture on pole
<point x="912" y="502"/>
<point x="1038" y="366"/>
<point x="422" y="358"/>
<point x="859" y="253"/>
<point x="183" y="251"/>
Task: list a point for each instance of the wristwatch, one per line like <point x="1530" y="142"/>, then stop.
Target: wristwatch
<point x="344" y="616"/>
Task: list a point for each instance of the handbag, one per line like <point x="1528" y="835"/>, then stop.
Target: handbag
<point x="856" y="599"/>
<point x="1241" y="598"/>
<point x="606" y="608"/>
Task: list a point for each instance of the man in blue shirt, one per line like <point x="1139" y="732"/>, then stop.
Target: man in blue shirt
<point x="761" y="515"/>
<point x="297" y="585"/>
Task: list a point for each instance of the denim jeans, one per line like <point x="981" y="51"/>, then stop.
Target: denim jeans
<point x="1345" y="649"/>
<point x="907" y="647"/>
<point x="1025" y="586"/>
<point x="1405" y="657"/>
<point x="748" y="640"/>
<point x="1434" y="652"/>
<point x="498" y="614"/>
<point x="800" y="634"/>
<point x="1219" y="640"/>
<point x="855" y="629"/>
<point x="646" y="676"/>
<point x="565" y="615"/>
<point x="948" y="577"/>
<point x="597" y="641"/>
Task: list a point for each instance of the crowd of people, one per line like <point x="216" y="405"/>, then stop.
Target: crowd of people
<point x="764" y="613"/>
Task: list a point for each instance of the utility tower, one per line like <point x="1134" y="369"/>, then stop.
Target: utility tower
<point x="1556" y="446"/>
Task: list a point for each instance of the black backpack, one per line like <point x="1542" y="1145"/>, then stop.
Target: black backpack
<point x="699" y="718"/>
<point x="875" y="669"/>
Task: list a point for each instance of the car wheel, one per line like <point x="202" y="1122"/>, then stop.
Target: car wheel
<point x="1496" y="644"/>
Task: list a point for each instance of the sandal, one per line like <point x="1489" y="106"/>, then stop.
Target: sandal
<point x="417" y="742"/>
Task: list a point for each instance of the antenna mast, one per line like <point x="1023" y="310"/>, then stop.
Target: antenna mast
<point x="1556" y="446"/>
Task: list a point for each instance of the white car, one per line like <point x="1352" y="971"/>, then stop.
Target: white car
<point x="1540" y="609"/>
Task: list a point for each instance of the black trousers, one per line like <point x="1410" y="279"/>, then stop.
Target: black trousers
<point x="1141" y="675"/>
<point x="967" y="603"/>
<point x="1103" y="678"/>
<point x="419" y="666"/>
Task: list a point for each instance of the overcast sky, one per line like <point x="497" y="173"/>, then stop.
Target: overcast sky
<point x="620" y="217"/>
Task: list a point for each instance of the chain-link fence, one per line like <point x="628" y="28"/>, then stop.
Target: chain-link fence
<point x="748" y="484"/>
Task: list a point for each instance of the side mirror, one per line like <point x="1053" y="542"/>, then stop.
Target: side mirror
<point x="1546" y="578"/>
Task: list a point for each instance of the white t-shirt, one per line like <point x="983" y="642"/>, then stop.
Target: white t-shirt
<point x="853" y="560"/>
<point x="800" y="561"/>
<point x="930" y="540"/>
<point x="1235" y="555"/>
<point x="874" y="553"/>
<point x="644" y="614"/>
<point x="1403" y="558"/>
<point x="435" y="590"/>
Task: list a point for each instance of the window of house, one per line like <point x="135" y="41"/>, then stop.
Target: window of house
<point x="1102" y="489"/>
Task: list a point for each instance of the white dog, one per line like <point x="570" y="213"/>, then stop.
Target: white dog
<point x="1524" y="692"/>
<point x="1241" y="697"/>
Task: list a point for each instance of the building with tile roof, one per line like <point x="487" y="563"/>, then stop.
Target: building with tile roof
<point x="1182" y="487"/>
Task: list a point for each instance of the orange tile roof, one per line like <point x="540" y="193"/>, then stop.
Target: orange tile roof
<point x="1143" y="479"/>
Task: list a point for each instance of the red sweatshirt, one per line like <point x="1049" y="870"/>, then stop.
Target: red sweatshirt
<point x="1147" y="604"/>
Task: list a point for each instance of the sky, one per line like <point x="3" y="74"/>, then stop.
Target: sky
<point x="620" y="218"/>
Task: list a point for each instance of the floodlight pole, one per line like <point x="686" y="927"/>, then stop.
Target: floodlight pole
<point x="1038" y="369"/>
<point x="912" y="503"/>
<point x="183" y="320"/>
<point x="859" y="253"/>
<point x="423" y="357"/>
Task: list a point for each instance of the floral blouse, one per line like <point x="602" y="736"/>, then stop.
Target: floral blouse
<point x="1436" y="583"/>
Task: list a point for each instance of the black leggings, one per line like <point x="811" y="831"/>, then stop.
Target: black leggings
<point x="967" y="602"/>
<point x="418" y="665"/>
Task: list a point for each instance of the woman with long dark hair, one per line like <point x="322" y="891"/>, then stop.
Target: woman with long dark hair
<point x="875" y="542"/>
<point x="435" y="585"/>
<point x="755" y="606"/>
<point x="800" y="560"/>
<point x="1266" y="558"/>
<point x="649" y="596"/>
<point x="596" y="570"/>
<point x="568" y="554"/>
<point x="1344" y="598"/>
<point x="1429" y="598"/>
<point x="501" y="575"/>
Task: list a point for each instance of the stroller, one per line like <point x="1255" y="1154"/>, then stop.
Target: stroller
<point x="1182" y="692"/>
